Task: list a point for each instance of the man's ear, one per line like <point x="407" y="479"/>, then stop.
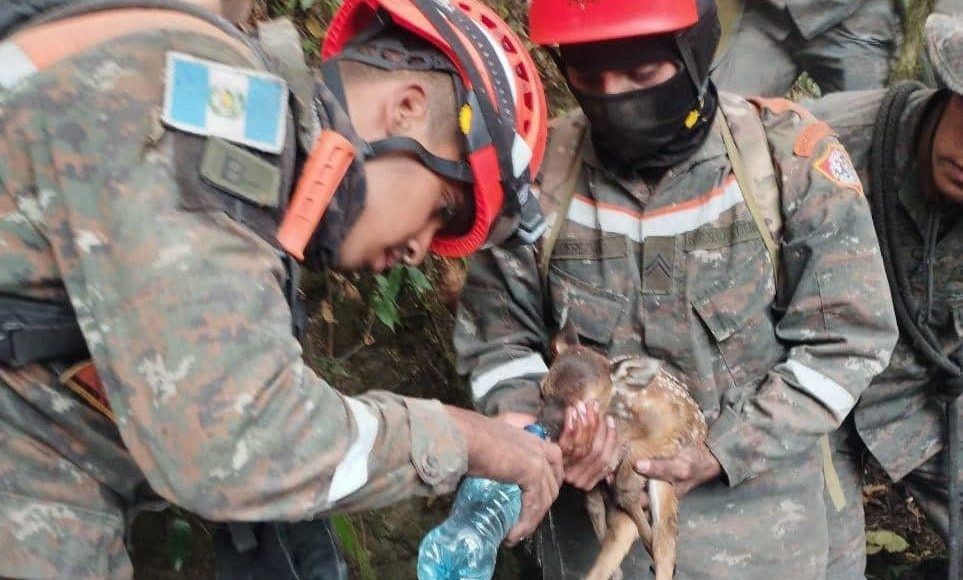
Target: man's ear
<point x="408" y="108"/>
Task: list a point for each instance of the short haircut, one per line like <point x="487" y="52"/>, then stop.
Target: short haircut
<point x="392" y="49"/>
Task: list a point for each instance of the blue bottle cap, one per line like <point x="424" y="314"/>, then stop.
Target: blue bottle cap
<point x="537" y="429"/>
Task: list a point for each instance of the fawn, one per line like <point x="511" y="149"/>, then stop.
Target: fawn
<point x="654" y="418"/>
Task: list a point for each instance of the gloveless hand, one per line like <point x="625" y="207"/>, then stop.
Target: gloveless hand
<point x="500" y="451"/>
<point x="690" y="467"/>
<point x="589" y="445"/>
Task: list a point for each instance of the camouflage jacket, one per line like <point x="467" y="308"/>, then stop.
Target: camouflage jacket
<point x="898" y="419"/>
<point x="183" y="311"/>
<point x="679" y="272"/>
<point x="813" y="17"/>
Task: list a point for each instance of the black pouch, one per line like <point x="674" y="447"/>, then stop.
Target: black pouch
<point x="37" y="330"/>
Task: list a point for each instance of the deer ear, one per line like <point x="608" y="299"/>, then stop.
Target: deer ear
<point x="567" y="336"/>
<point x="635" y="371"/>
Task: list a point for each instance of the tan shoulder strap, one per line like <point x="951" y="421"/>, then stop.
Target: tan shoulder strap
<point x="279" y="39"/>
<point x="749" y="184"/>
<point x="37" y="47"/>
<point x="749" y="180"/>
<point x="562" y="169"/>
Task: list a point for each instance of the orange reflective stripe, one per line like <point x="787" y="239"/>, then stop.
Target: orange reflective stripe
<point x="46" y="44"/>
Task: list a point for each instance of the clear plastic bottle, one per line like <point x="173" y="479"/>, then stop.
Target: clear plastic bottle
<point x="464" y="546"/>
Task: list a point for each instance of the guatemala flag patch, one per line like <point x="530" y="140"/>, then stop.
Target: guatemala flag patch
<point x="213" y="99"/>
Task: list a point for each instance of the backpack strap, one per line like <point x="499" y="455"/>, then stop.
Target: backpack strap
<point x="761" y="193"/>
<point x="30" y="50"/>
<point x="561" y="172"/>
<point x="756" y="181"/>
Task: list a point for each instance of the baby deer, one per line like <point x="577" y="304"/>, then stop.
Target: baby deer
<point x="654" y="418"/>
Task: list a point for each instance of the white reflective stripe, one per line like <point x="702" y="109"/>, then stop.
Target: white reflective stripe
<point x="521" y="155"/>
<point x="519" y="367"/>
<point x="352" y="472"/>
<point x="823" y="389"/>
<point x="15" y="65"/>
<point x="670" y="221"/>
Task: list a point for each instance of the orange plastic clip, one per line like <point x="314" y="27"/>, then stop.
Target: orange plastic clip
<point x="329" y="160"/>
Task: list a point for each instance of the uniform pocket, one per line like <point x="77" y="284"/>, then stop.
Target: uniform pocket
<point x="743" y="331"/>
<point x="593" y="311"/>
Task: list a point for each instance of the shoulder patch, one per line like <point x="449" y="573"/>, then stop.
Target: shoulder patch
<point x="809" y="137"/>
<point x="838" y="168"/>
<point x="241" y="173"/>
<point x="208" y="98"/>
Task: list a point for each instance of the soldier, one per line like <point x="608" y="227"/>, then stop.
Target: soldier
<point x="842" y="44"/>
<point x="907" y="145"/>
<point x="146" y="157"/>
<point x="728" y="238"/>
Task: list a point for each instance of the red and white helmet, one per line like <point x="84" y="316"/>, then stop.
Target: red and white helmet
<point x="503" y="113"/>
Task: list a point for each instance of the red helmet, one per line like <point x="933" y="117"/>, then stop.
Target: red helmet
<point x="503" y="114"/>
<point x="694" y="24"/>
<point x="575" y="22"/>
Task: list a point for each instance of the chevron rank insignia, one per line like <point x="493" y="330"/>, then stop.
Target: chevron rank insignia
<point x="658" y="264"/>
<point x="216" y="100"/>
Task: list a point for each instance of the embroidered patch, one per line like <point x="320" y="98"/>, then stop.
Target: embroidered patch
<point x="216" y="100"/>
<point x="241" y="173"/>
<point x="658" y="264"/>
<point x="836" y="165"/>
<point x="810" y="137"/>
<point x="604" y="248"/>
<point x="711" y="238"/>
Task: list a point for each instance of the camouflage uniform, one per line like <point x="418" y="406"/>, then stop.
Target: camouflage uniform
<point x="184" y="312"/>
<point x="899" y="418"/>
<point x="842" y="44"/>
<point x="678" y="271"/>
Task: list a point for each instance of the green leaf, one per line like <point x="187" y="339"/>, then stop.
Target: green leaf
<point x="352" y="546"/>
<point x="305" y="4"/>
<point x="419" y="282"/>
<point x="878" y="540"/>
<point x="395" y="277"/>
<point x="178" y="542"/>
<point x="385" y="308"/>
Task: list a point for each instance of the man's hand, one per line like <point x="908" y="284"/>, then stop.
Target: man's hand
<point x="588" y="444"/>
<point x="500" y="451"/>
<point x="691" y="467"/>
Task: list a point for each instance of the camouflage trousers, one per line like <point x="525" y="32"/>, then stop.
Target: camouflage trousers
<point x="769" y="526"/>
<point x="69" y="490"/>
<point x="927" y="484"/>
<point x="57" y="520"/>
<point x="766" y="54"/>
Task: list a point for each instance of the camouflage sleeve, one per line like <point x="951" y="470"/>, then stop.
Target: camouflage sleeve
<point x="184" y="313"/>
<point x="500" y="334"/>
<point x="838" y="323"/>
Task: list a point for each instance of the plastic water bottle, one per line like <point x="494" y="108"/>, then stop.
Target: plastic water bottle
<point x="464" y="546"/>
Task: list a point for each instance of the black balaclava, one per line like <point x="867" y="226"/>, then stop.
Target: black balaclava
<point x="645" y="132"/>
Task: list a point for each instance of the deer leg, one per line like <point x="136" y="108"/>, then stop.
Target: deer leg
<point x="664" y="506"/>
<point x="595" y="505"/>
<point x="622" y="533"/>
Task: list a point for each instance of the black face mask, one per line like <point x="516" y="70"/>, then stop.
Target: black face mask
<point x="644" y="132"/>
